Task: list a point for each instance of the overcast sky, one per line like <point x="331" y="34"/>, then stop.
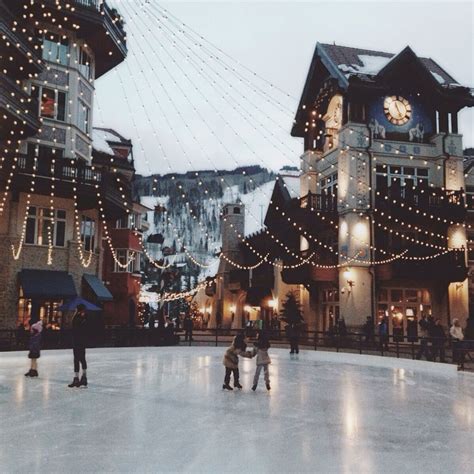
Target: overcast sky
<point x="191" y="113"/>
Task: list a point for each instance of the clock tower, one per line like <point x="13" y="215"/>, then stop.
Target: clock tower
<point x="381" y="136"/>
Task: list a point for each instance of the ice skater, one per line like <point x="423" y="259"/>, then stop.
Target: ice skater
<point x="263" y="359"/>
<point x="34" y="347"/>
<point x="231" y="360"/>
<point x="79" y="340"/>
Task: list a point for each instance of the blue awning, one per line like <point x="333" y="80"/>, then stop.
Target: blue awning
<point x="97" y="287"/>
<point x="46" y="284"/>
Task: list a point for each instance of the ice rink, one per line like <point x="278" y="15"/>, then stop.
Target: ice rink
<point x="163" y="410"/>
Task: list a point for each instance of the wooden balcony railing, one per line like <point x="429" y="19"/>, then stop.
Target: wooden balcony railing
<point x="319" y="202"/>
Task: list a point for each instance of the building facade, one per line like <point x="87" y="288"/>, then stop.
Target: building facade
<point x="381" y="137"/>
<point x="54" y="198"/>
<point x="379" y="226"/>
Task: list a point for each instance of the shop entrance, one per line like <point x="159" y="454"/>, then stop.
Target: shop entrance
<point x="329" y="309"/>
<point x="403" y="307"/>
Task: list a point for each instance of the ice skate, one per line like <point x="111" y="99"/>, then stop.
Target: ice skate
<point x="34" y="373"/>
<point x="237" y="385"/>
<point x="75" y="383"/>
<point x="29" y="373"/>
<point x="268" y="387"/>
<point x="226" y="386"/>
<point x="83" y="382"/>
<point x="254" y="388"/>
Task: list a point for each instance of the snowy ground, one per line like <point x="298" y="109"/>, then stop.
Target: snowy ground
<point x="163" y="410"/>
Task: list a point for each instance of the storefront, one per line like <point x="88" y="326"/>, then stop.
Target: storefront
<point x="403" y="307"/>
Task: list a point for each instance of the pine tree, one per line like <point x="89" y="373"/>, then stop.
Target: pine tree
<point x="291" y="311"/>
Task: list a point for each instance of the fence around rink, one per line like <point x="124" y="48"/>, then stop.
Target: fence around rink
<point x="393" y="345"/>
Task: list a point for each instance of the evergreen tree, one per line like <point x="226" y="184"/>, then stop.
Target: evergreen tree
<point x="291" y="311"/>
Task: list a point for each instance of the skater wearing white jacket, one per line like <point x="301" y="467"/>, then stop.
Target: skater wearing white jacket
<point x="263" y="360"/>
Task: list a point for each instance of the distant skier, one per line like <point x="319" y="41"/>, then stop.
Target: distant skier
<point x="34" y="347"/>
<point x="79" y="340"/>
<point x="263" y="359"/>
<point x="231" y="360"/>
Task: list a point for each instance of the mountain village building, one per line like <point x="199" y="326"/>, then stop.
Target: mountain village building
<point x="379" y="226"/>
<point x="55" y="196"/>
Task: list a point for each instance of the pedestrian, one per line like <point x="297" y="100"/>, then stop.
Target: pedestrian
<point x="293" y="331"/>
<point x="231" y="360"/>
<point x="79" y="342"/>
<point x="188" y="328"/>
<point x="457" y="335"/>
<point x="368" y="330"/>
<point x="438" y="339"/>
<point x="34" y="348"/>
<point x="424" y="350"/>
<point x="383" y="333"/>
<point x="260" y="350"/>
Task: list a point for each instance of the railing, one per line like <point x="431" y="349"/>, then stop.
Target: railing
<point x="319" y="202"/>
<point x="62" y="169"/>
<point x="394" y="345"/>
<point x="429" y="197"/>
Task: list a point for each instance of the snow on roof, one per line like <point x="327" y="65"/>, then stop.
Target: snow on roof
<point x="100" y="141"/>
<point x="371" y="65"/>
<point x="437" y="77"/>
<point x="151" y="202"/>
<point x="292" y="183"/>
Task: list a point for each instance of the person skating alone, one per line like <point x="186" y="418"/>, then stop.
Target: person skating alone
<point x="79" y="341"/>
<point x="263" y="360"/>
<point x="188" y="328"/>
<point x="34" y="348"/>
<point x="231" y="360"/>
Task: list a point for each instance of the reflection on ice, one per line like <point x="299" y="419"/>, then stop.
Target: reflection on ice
<point x="163" y="410"/>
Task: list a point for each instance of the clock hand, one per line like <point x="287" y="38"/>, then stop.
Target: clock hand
<point x="398" y="108"/>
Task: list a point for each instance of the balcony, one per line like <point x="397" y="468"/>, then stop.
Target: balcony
<point x="442" y="204"/>
<point x="68" y="174"/>
<point x="17" y="106"/>
<point x="98" y="25"/>
<point x="449" y="267"/>
<point x="16" y="45"/>
<point x="308" y="273"/>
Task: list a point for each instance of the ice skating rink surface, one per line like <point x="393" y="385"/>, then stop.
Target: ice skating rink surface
<point x="163" y="410"/>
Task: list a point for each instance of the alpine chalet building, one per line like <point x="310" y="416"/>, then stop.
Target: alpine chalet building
<point x="54" y="199"/>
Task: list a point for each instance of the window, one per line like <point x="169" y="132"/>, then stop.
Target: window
<point x="328" y="185"/>
<point x="88" y="233"/>
<point x="404" y="176"/>
<point x="55" y="48"/>
<point x="85" y="64"/>
<point x="83" y="113"/>
<point x="52" y="103"/>
<point x="40" y="225"/>
<point x="130" y="221"/>
<point x="133" y="259"/>
<point x="44" y="152"/>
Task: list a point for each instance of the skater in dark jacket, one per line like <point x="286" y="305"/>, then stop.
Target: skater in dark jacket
<point x="79" y="342"/>
<point x="34" y="346"/>
<point x="231" y="360"/>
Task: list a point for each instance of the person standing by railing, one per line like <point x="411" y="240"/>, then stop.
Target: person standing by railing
<point x="457" y="335"/>
<point x="438" y="339"/>
<point x="424" y="334"/>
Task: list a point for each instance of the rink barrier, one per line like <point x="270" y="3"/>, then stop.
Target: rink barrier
<point x="392" y="345"/>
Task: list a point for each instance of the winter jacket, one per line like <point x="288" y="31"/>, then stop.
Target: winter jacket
<point x="231" y="357"/>
<point x="456" y="333"/>
<point x="79" y="330"/>
<point x="438" y="335"/>
<point x="262" y="356"/>
<point x="35" y="342"/>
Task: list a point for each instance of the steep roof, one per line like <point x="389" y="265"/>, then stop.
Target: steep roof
<point x="342" y="63"/>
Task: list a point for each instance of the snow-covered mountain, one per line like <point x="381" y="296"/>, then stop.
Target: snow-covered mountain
<point x="175" y="225"/>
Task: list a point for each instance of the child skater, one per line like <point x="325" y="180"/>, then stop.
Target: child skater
<point x="231" y="360"/>
<point x="263" y="359"/>
<point x="34" y="347"/>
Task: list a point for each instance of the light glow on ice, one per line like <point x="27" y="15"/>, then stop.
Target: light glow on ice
<point x="163" y="410"/>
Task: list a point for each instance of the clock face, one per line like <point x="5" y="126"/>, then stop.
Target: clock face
<point x="397" y="109"/>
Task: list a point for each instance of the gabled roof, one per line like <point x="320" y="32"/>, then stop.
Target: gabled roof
<point x="342" y="63"/>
